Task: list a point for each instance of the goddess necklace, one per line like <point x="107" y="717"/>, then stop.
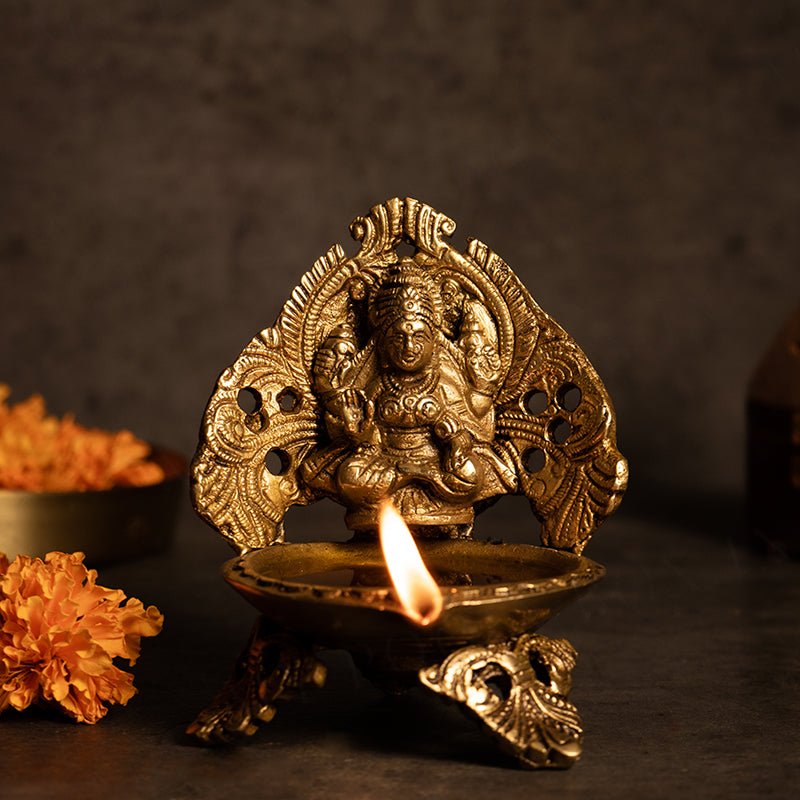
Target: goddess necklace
<point x="421" y="387"/>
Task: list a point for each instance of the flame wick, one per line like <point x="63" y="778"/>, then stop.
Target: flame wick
<point x="419" y="594"/>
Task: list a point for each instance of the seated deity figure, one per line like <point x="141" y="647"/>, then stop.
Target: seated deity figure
<point x="410" y="414"/>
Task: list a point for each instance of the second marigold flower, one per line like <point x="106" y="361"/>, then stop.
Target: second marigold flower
<point x="59" y="634"/>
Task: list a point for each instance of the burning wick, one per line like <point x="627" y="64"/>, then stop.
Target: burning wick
<point x="419" y="595"/>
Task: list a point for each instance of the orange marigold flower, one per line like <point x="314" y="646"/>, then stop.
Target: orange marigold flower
<point x="60" y="633"/>
<point x="43" y="453"/>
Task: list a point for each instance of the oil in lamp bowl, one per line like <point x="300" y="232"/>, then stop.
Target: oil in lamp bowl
<point x="107" y="525"/>
<point x="338" y="595"/>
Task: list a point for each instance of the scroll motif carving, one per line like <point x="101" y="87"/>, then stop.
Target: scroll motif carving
<point x="519" y="692"/>
<point x="413" y="377"/>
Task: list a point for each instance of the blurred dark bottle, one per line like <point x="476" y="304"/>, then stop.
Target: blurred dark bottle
<point x="773" y="445"/>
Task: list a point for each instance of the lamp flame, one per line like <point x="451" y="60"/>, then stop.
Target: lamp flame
<point x="419" y="595"/>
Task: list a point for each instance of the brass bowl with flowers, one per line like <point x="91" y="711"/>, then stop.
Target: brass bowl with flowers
<point x="64" y="487"/>
<point x="107" y="525"/>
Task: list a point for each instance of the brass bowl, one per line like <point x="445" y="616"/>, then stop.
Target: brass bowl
<point x="338" y="595"/>
<point x="108" y="525"/>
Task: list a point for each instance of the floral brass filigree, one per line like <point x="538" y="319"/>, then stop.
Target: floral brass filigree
<point x="433" y="379"/>
<point x="271" y="668"/>
<point x="518" y="690"/>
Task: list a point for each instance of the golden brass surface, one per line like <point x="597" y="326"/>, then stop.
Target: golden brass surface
<point x="338" y="594"/>
<point x="434" y="380"/>
<point x="107" y="525"/>
<point x="272" y="667"/>
<point x="518" y="690"/>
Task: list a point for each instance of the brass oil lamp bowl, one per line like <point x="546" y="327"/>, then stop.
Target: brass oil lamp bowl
<point x="415" y="391"/>
<point x="339" y="596"/>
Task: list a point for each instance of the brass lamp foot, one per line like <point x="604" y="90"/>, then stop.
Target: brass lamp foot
<point x="518" y="690"/>
<point x="272" y="666"/>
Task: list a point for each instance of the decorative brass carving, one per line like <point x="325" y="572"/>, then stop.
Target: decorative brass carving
<point x="519" y="691"/>
<point x="435" y="380"/>
<point x="273" y="666"/>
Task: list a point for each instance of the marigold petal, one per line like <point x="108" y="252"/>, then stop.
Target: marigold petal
<point x="146" y="622"/>
<point x="22" y="690"/>
<point x="83" y="706"/>
<point x="115" y="685"/>
<point x="55" y="681"/>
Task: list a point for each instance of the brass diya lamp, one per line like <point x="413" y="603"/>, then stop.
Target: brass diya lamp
<point x="415" y="391"/>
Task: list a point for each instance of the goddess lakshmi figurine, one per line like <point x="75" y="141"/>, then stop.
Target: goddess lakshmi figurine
<point x="410" y="417"/>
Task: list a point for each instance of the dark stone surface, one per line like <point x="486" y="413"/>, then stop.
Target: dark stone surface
<point x="169" y="170"/>
<point x="687" y="682"/>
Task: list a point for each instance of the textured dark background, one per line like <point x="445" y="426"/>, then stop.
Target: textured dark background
<point x="168" y="170"/>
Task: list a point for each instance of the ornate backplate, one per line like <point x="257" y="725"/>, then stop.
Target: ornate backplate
<point x="432" y="379"/>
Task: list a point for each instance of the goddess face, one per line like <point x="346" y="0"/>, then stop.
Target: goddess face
<point x="407" y="344"/>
